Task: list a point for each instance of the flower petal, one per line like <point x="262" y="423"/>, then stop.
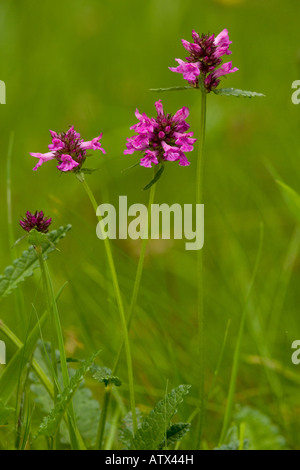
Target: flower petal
<point x="67" y="163"/>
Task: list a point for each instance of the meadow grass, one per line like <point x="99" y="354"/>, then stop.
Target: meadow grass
<point x="100" y="63"/>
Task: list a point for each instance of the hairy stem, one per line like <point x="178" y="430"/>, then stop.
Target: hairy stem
<point x="57" y="337"/>
<point x="133" y="302"/>
<point x="199" y="200"/>
<point x="138" y="276"/>
<point x="119" y="303"/>
<point x="103" y="416"/>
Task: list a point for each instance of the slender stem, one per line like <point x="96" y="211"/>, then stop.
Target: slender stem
<point x="19" y="298"/>
<point x="8" y="191"/>
<point x="201" y="150"/>
<point x="49" y="310"/>
<point x="113" y="430"/>
<point x="134" y="298"/>
<point x="237" y="350"/>
<point x="199" y="200"/>
<point x="138" y="276"/>
<point x="36" y="367"/>
<point x="103" y="416"/>
<point x="57" y="336"/>
<point x="75" y="437"/>
<point x="58" y="330"/>
<point x="242" y="435"/>
<point x="119" y="303"/>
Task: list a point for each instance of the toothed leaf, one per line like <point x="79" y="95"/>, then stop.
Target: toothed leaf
<point x="25" y="265"/>
<point x="154" y="427"/>
<point x="236" y="92"/>
<point x="51" y="422"/>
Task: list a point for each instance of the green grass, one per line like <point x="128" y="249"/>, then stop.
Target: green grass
<point x="91" y="64"/>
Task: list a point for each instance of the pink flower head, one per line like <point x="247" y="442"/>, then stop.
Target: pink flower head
<point x="163" y="138"/>
<point x="35" y="221"/>
<point x="205" y="57"/>
<point x="69" y="150"/>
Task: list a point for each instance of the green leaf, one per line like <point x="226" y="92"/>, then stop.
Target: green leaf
<point x="89" y="171"/>
<point x="126" y="430"/>
<point x="154" y="427"/>
<point x="173" y="88"/>
<point x="37" y="238"/>
<point x="156" y="177"/>
<point x="10" y="375"/>
<point x="6" y="414"/>
<point x="234" y="445"/>
<point x="236" y="92"/>
<point x="51" y="422"/>
<point x="292" y="196"/>
<point x="175" y="433"/>
<point x="261" y="433"/>
<point x="104" y="375"/>
<point x="233" y="441"/>
<point x="25" y="265"/>
<point x="131" y="166"/>
<point x="87" y="409"/>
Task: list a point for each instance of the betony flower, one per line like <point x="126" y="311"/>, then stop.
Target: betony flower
<point x="205" y="57"/>
<point x="35" y="221"/>
<point x="163" y="138"/>
<point x="68" y="149"/>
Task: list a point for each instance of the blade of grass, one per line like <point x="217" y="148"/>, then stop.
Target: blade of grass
<point x="19" y="298"/>
<point x="73" y="430"/>
<point x="9" y="376"/>
<point x="119" y="301"/>
<point x="216" y="374"/>
<point x="235" y="365"/>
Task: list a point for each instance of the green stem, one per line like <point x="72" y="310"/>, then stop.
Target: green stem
<point x="113" y="431"/>
<point x="138" y="276"/>
<point x="103" y="416"/>
<point x="134" y="297"/>
<point x="119" y="303"/>
<point x="8" y="192"/>
<point x="236" y="356"/>
<point x="199" y="200"/>
<point x="50" y="315"/>
<point x="19" y="298"/>
<point x="36" y="367"/>
<point x="57" y="336"/>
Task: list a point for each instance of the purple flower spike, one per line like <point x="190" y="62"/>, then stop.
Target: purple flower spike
<point x="163" y="138"/>
<point x="35" y="221"/>
<point x="205" y="57"/>
<point x="69" y="150"/>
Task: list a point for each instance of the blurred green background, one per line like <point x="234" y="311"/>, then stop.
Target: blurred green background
<point x="90" y="64"/>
